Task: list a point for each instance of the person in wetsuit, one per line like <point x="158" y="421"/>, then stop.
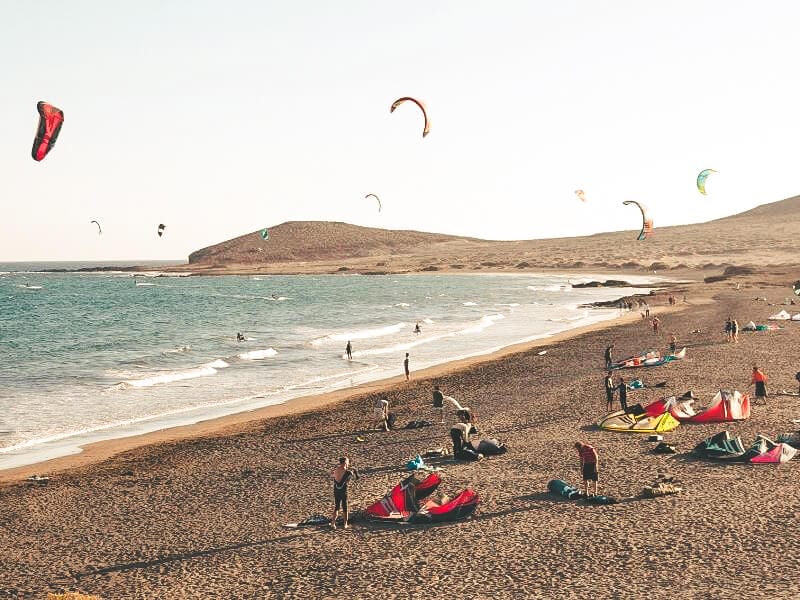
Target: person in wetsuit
<point x="622" y="388"/>
<point x="349" y="350"/>
<point x="341" y="477"/>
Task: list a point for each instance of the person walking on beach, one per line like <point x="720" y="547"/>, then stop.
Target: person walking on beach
<point x="405" y="367"/>
<point x="622" y="388"/>
<point x="607" y="355"/>
<point x="417" y="330"/>
<point x="735" y="331"/>
<point x="656" y="323"/>
<point x="760" y="381"/>
<point x="609" y="383"/>
<point x="673" y="343"/>
<point x="438" y="402"/>
<point x="589" y="459"/>
<point x="341" y="477"/>
<point x="728" y="326"/>
<point x="381" y="410"/>
<point x="349" y="350"/>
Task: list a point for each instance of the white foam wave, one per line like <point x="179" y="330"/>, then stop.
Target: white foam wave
<point x="361" y="334"/>
<point x="402" y="304"/>
<point x="470" y="303"/>
<point x="511" y="304"/>
<point x="486" y="321"/>
<point x="144" y="284"/>
<point x="258" y="354"/>
<point x="29" y="287"/>
<point x="177" y="350"/>
<point x="550" y="288"/>
<point x="428" y="321"/>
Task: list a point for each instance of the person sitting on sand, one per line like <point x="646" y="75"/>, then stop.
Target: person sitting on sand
<point x="438" y="402"/>
<point x="341" y="477"/>
<point x="760" y="381"/>
<point x="381" y="410"/>
<point x="589" y="459"/>
<point x="609" y="383"/>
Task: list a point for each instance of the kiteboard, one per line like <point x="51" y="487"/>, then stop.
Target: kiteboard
<point x="788" y="393"/>
<point x="312" y="521"/>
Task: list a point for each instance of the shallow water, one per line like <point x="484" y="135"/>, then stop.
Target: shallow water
<point x="87" y="356"/>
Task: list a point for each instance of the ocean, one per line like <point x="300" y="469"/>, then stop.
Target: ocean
<point x="92" y="356"/>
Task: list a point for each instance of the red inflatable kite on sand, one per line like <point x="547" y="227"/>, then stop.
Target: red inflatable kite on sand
<point x="50" y="121"/>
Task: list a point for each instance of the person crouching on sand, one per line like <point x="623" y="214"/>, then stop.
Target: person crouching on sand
<point x="381" y="410"/>
<point x="438" y="402"/>
<point x="341" y="477"/>
<point x="589" y="459"/>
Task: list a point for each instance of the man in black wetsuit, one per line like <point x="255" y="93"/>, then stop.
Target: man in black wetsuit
<point x="609" y="382"/>
<point x="607" y="356"/>
<point x="349" y="350"/>
<point x="622" y="388"/>
<point x="341" y="477"/>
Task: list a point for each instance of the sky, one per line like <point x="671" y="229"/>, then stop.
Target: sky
<point x="220" y="118"/>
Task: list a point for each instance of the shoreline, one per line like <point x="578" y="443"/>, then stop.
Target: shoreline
<point x="100" y="450"/>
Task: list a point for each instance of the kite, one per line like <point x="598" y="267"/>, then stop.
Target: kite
<point x="161" y="229"/>
<point x="701" y="179"/>
<point x="264" y="234"/>
<point x="50" y="121"/>
<point x="376" y="198"/>
<point x="399" y="101"/>
<point x="647" y="224"/>
<point x="581" y="194"/>
<point x="99" y="230"/>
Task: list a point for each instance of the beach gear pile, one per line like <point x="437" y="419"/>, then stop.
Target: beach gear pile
<point x="662" y="487"/>
<point x="636" y="420"/>
<point x="410" y="501"/>
<point x="561" y="488"/>
<point x="724" y="447"/>
<point x="725" y="406"/>
<point x="649" y="358"/>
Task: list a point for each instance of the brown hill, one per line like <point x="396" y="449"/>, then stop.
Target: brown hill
<point x="765" y="235"/>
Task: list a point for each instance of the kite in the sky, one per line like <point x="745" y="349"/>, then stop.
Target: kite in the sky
<point x="581" y="194"/>
<point x="264" y="234"/>
<point x="426" y="129"/>
<point x="647" y="223"/>
<point x="376" y="198"/>
<point x="701" y="179"/>
<point x="50" y="121"/>
<point x="99" y="230"/>
<point x="161" y="229"/>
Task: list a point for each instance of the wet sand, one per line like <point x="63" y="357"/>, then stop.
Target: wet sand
<point x="198" y="513"/>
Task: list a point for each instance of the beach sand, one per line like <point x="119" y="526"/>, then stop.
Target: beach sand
<point x="199" y="512"/>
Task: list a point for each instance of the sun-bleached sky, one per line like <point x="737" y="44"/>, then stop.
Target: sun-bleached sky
<point x="219" y="118"/>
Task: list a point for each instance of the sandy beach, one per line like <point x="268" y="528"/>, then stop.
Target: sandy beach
<point x="198" y="512"/>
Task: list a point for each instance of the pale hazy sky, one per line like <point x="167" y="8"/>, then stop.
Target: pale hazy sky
<point x="219" y="118"/>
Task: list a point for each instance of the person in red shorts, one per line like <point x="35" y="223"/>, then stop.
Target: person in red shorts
<point x="589" y="460"/>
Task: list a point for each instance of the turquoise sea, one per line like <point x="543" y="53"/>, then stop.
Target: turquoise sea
<point x="89" y="356"/>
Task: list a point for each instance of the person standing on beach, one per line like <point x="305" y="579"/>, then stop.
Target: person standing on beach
<point x="609" y="383"/>
<point x="760" y="381"/>
<point x="405" y="368"/>
<point x="656" y="323"/>
<point x="349" y="350"/>
<point x="728" y="326"/>
<point x="438" y="402"/>
<point x="735" y="331"/>
<point x="622" y="388"/>
<point x="589" y="459"/>
<point x="673" y="343"/>
<point x="341" y="477"/>
<point x="607" y="355"/>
